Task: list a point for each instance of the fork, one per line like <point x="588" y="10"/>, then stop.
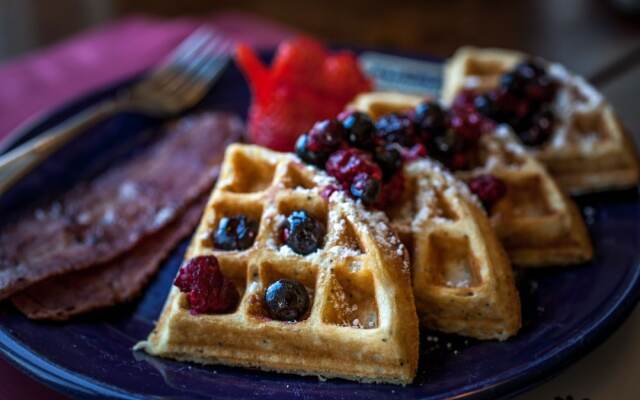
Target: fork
<point x="178" y="83"/>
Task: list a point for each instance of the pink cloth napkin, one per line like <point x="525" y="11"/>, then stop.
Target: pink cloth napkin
<point x="47" y="78"/>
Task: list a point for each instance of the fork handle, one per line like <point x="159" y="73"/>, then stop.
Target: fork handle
<point x="18" y="162"/>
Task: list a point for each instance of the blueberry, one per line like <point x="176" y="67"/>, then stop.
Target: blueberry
<point x="529" y="69"/>
<point x="430" y="119"/>
<point x="325" y="136"/>
<point x="484" y="105"/>
<point x="389" y="158"/>
<point x="286" y="300"/>
<point x="539" y="130"/>
<point x="235" y="233"/>
<point x="302" y="233"/>
<point x="512" y="82"/>
<point x="365" y="188"/>
<point x="396" y="128"/>
<point x="359" y="129"/>
<point x="303" y="150"/>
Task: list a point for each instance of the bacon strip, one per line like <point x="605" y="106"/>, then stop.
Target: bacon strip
<point x="117" y="281"/>
<point x="97" y="221"/>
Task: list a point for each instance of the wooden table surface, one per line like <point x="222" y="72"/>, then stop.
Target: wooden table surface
<point x="590" y="37"/>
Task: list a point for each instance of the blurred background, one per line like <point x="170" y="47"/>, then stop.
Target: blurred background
<point x="599" y="39"/>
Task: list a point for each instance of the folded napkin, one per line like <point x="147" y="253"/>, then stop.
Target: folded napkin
<point x="48" y="78"/>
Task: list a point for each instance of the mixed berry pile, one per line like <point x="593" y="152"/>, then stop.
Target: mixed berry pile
<point x="523" y="100"/>
<point x="304" y="84"/>
<point x="366" y="156"/>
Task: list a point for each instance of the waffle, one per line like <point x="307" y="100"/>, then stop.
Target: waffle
<point x="462" y="278"/>
<point x="362" y="323"/>
<point x="536" y="222"/>
<point x="589" y="149"/>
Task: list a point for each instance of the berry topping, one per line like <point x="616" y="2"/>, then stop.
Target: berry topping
<point x="396" y="128"/>
<point x="235" y="233"/>
<point x="389" y="158"/>
<point x="302" y="233"/>
<point x="286" y="300"/>
<point x="325" y="136"/>
<point x="430" y="120"/>
<point x="365" y="188"/>
<point x="208" y="291"/>
<point x="345" y="164"/>
<point x="359" y="129"/>
<point x="488" y="188"/>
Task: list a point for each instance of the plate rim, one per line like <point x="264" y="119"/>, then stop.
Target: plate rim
<point x="67" y="382"/>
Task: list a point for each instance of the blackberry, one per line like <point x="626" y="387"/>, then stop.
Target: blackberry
<point x="235" y="233"/>
<point x="286" y="300"/>
<point x="302" y="233"/>
<point x="359" y="129"/>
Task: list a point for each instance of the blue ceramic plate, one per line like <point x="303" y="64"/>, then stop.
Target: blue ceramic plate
<point x="567" y="311"/>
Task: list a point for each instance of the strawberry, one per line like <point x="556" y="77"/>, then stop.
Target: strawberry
<point x="304" y="85"/>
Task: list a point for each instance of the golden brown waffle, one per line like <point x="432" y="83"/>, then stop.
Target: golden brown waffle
<point x="362" y="323"/>
<point x="588" y="150"/>
<point x="462" y="278"/>
<point x="537" y="224"/>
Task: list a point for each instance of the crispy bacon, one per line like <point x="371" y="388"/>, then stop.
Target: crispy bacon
<point x="119" y="280"/>
<point x="101" y="219"/>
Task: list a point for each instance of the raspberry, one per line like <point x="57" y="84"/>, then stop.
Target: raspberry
<point x="345" y="164"/>
<point x="415" y="152"/>
<point x="470" y="125"/>
<point x="488" y="188"/>
<point x="464" y="101"/>
<point x="208" y="291"/>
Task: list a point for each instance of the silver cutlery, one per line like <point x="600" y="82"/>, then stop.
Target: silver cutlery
<point x="178" y="83"/>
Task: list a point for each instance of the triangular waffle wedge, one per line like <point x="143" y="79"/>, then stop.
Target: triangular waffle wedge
<point x="462" y="279"/>
<point x="537" y="224"/>
<point x="588" y="150"/>
<point x="362" y="323"/>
